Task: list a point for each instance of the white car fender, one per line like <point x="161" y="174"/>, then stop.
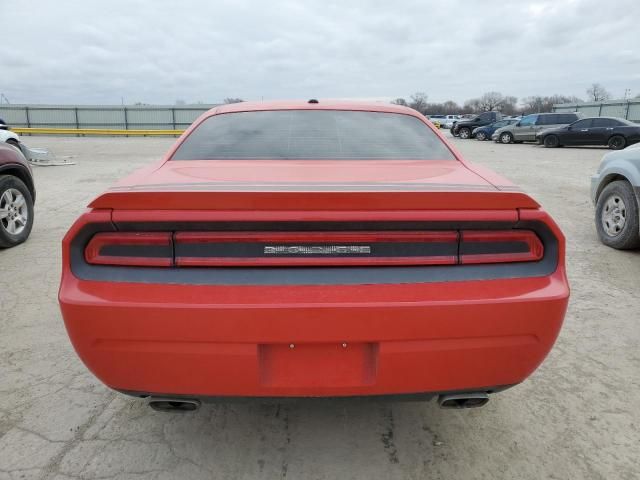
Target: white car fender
<point x="8" y="134"/>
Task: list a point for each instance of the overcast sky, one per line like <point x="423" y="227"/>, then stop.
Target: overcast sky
<point x="157" y="51"/>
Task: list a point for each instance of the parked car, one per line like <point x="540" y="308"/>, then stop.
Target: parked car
<point x="7" y="136"/>
<point x="445" y="121"/>
<point x="615" y="192"/>
<point x="484" y="133"/>
<point x="525" y="130"/>
<point x="11" y="138"/>
<point x="341" y="249"/>
<point x="437" y="120"/>
<point x="17" y="196"/>
<point x="463" y="128"/>
<point x="614" y="132"/>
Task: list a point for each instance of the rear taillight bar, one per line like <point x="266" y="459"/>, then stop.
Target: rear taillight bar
<point x="234" y="249"/>
<point x="130" y="249"/>
<point x="500" y="247"/>
<point x="213" y="249"/>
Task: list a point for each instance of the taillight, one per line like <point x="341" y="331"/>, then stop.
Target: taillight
<point x="279" y="249"/>
<point x="132" y="249"/>
<point x="500" y="246"/>
<point x="315" y="248"/>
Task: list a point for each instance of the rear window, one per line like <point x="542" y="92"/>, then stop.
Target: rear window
<point x="312" y="134"/>
<point x="605" y="122"/>
<point x="612" y="122"/>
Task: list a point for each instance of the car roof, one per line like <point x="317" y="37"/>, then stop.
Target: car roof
<point x="305" y="105"/>
<point x="608" y="118"/>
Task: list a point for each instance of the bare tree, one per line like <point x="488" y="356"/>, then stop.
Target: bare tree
<point x="509" y="105"/>
<point x="232" y="100"/>
<point x="400" y="101"/>
<point x="419" y="102"/>
<point x="472" y="106"/>
<point x="451" y="108"/>
<point x="491" y="101"/>
<point x="597" y="93"/>
<point x="538" y="103"/>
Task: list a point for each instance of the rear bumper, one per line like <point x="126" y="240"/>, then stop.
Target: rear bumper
<point x="313" y="340"/>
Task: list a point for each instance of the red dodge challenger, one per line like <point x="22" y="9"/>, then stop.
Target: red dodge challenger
<point x="313" y="249"/>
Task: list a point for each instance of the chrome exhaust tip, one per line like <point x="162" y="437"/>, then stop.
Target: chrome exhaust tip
<point x="163" y="404"/>
<point x="463" y="400"/>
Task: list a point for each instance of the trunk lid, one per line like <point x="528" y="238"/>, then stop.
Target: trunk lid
<point x="313" y="185"/>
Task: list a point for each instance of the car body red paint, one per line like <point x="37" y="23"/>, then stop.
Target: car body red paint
<point x="314" y="337"/>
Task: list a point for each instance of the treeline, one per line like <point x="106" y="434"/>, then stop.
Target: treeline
<point x="489" y="101"/>
<point x="506" y="104"/>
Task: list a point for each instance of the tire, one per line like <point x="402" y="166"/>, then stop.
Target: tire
<point x="617" y="216"/>
<point x="481" y="136"/>
<point x="551" y="141"/>
<point x="16" y="219"/>
<point x="464" y="133"/>
<point x="617" y="142"/>
<point x="506" y="137"/>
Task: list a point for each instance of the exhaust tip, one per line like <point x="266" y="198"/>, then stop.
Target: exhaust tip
<point x="174" y="404"/>
<point x="463" y="400"/>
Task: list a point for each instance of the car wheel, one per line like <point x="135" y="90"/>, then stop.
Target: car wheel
<point x="551" y="141"/>
<point x="464" y="133"/>
<point x="506" y="137"/>
<point x="16" y="211"/>
<point x="617" y="216"/>
<point x="481" y="136"/>
<point x="617" y="142"/>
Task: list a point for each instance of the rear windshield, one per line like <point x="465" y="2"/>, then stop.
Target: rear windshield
<point x="312" y="134"/>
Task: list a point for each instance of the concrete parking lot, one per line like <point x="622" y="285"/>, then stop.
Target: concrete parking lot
<point x="576" y="417"/>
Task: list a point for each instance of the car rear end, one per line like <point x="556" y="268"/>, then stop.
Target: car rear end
<point x="301" y="281"/>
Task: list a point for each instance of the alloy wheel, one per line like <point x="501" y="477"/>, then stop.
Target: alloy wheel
<point x="14" y="213"/>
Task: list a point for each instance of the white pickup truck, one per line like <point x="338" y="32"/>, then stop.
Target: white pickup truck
<point x="445" y="121"/>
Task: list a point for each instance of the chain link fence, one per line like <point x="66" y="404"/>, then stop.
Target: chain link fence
<point x="134" y="117"/>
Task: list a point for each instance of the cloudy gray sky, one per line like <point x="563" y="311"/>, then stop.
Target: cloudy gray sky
<point x="158" y="51"/>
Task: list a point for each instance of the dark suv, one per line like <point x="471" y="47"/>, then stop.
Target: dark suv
<point x="17" y="195"/>
<point x="464" y="128"/>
